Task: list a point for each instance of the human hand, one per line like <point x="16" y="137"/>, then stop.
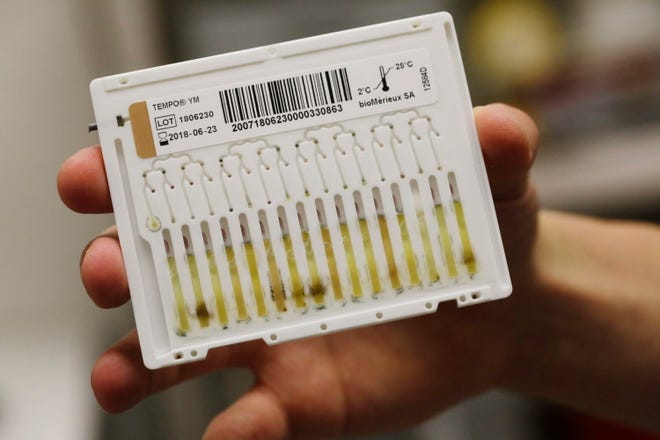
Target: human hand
<point x="360" y="381"/>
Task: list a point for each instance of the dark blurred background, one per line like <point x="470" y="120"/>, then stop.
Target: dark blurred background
<point x="588" y="71"/>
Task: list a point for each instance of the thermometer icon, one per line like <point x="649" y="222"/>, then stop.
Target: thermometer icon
<point x="383" y="78"/>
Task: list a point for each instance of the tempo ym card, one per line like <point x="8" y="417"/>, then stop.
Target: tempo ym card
<point x="299" y="188"/>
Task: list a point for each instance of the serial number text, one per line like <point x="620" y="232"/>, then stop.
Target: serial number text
<point x="288" y="117"/>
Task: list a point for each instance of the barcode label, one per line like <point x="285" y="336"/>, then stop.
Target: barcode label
<point x="285" y="95"/>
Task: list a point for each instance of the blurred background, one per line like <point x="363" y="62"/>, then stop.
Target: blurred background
<point x="587" y="70"/>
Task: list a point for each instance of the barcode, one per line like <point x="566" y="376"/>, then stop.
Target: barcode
<point x="285" y="95"/>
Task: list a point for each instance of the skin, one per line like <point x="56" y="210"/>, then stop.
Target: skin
<point x="581" y="327"/>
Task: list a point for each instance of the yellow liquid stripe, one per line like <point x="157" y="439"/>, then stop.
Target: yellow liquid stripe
<point x="217" y="290"/>
<point x="256" y="283"/>
<point x="184" y="325"/>
<point x="445" y="241"/>
<point x="468" y="255"/>
<point x="371" y="260"/>
<point x="426" y="244"/>
<point x="236" y="285"/>
<point x="332" y="264"/>
<point x="201" y="311"/>
<point x="408" y="251"/>
<point x="316" y="288"/>
<point x="275" y="280"/>
<point x="389" y="253"/>
<point x="297" y="289"/>
<point x="350" y="259"/>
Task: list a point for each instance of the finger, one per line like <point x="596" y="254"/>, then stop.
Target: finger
<point x="82" y="182"/>
<point x="508" y="138"/>
<point x="102" y="271"/>
<point x="257" y="414"/>
<point x="120" y="379"/>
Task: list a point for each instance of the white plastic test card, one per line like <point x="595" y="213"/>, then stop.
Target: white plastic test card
<point x="299" y="188"/>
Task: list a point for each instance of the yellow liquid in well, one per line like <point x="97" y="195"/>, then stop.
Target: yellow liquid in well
<point x="350" y="259"/>
<point x="332" y="264"/>
<point x="426" y="244"/>
<point x="275" y="280"/>
<point x="236" y="285"/>
<point x="201" y="311"/>
<point x="217" y="290"/>
<point x="316" y="288"/>
<point x="371" y="260"/>
<point x="297" y="289"/>
<point x="411" y="262"/>
<point x="468" y="255"/>
<point x="184" y="325"/>
<point x="445" y="241"/>
<point x="256" y="282"/>
<point x="389" y="253"/>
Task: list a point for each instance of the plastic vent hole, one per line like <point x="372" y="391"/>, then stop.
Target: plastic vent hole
<point x="178" y="356"/>
<point x="379" y="315"/>
<point x="123" y="81"/>
<point x="415" y="24"/>
<point x="476" y="295"/>
<point x="429" y="306"/>
<point x="323" y="327"/>
<point x="193" y="353"/>
<point x="273" y="337"/>
<point x="462" y="298"/>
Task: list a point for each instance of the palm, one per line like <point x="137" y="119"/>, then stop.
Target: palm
<point x="376" y="378"/>
<point x="365" y="380"/>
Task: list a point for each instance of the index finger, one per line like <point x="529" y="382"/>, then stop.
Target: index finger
<point x="82" y="182"/>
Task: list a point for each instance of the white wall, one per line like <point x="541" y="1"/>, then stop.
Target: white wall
<point x="49" y="330"/>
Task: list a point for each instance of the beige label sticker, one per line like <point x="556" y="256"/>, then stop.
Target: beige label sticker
<point x="144" y="138"/>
